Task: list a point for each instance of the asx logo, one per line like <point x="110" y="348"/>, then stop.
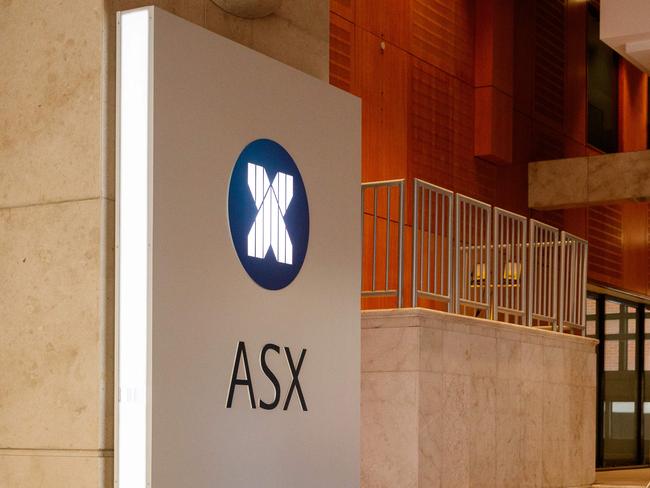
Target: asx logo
<point x="269" y="228"/>
<point x="268" y="214"/>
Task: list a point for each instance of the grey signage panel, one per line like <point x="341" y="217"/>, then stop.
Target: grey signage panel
<point x="219" y="333"/>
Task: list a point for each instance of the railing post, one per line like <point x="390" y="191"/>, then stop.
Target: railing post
<point x="400" y="250"/>
<point x="414" y="290"/>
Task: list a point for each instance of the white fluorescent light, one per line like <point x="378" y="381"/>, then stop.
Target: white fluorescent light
<point x="133" y="83"/>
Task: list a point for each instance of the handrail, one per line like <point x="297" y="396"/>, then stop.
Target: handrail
<point x="474" y="258"/>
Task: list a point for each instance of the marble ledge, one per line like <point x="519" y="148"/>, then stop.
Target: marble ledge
<point x="435" y="319"/>
<point x="78" y="453"/>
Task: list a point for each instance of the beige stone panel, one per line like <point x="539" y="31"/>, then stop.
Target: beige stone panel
<point x="46" y="471"/>
<point x="50" y="78"/>
<point x="281" y="39"/>
<point x="483" y="355"/>
<point x="531" y="448"/>
<point x="588" y="468"/>
<point x="560" y="182"/>
<point x="389" y="430"/>
<point x="508" y="359"/>
<point x="455" y="353"/>
<point x="53" y="393"/>
<point x="394" y="349"/>
<point x="429" y="429"/>
<point x="554" y="371"/>
<point x="455" y="431"/>
<point x="575" y="436"/>
<point x="553" y="462"/>
<point x="430" y="349"/>
<point x="483" y="433"/>
<point x="509" y="432"/>
<point x="619" y="176"/>
<point x="532" y="362"/>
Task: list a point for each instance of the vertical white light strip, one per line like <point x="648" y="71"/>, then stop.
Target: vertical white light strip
<point x="132" y="246"/>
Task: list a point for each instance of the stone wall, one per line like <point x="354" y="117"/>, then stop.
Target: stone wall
<point x="454" y="401"/>
<point x="57" y="199"/>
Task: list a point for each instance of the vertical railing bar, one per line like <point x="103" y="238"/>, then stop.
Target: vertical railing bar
<point x="498" y="258"/>
<point x="538" y="274"/>
<point x="585" y="248"/>
<point x="556" y="277"/>
<point x="400" y="251"/>
<point x="387" y="270"/>
<point x="485" y="287"/>
<point x="514" y="271"/>
<point x="504" y="264"/>
<point x="429" y="193"/>
<point x="546" y="268"/>
<point x="515" y="263"/>
<point x="496" y="289"/>
<point x="374" y="240"/>
<point x="488" y="213"/>
<point x="465" y="253"/>
<point x="470" y="292"/>
<point x="523" y="276"/>
<point x="422" y="238"/>
<point x="435" y="249"/>
<point x="457" y="257"/>
<point x="450" y="210"/>
<point x="574" y="267"/>
<point x="562" y="277"/>
<point x="414" y="290"/>
<point x="531" y="266"/>
<point x="473" y="216"/>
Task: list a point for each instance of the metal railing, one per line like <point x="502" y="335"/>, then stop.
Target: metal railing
<point x="472" y="251"/>
<point x="432" y="206"/>
<point x="573" y="288"/>
<point x="488" y="261"/>
<point x="510" y="250"/>
<point x="543" y="274"/>
<point x="381" y="220"/>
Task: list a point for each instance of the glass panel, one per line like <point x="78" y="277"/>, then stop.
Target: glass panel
<point x="631" y="326"/>
<point x="611" y="355"/>
<point x="612" y="307"/>
<point x="591" y="328"/>
<point x="612" y="326"/>
<point x="591" y="306"/>
<point x="631" y="355"/>
<point x="646" y="357"/>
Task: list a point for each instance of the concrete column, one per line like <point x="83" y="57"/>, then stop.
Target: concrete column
<point x="57" y="194"/>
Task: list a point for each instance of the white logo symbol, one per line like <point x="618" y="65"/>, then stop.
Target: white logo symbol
<point x="271" y="200"/>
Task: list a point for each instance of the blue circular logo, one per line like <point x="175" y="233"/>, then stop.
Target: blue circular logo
<point x="268" y="214"/>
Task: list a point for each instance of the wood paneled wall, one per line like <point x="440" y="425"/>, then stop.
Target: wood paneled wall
<point x="442" y="81"/>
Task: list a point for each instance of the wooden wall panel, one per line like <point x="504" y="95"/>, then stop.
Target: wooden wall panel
<point x="605" y="235"/>
<point x="343" y="8"/>
<point x="441" y="32"/>
<point x="342" y="54"/>
<point x="635" y="246"/>
<point x="550" y="62"/>
<point x="431" y="133"/>
<point x="632" y="99"/>
<point x="382" y="78"/>
<point x="575" y="113"/>
<point x="387" y="19"/>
